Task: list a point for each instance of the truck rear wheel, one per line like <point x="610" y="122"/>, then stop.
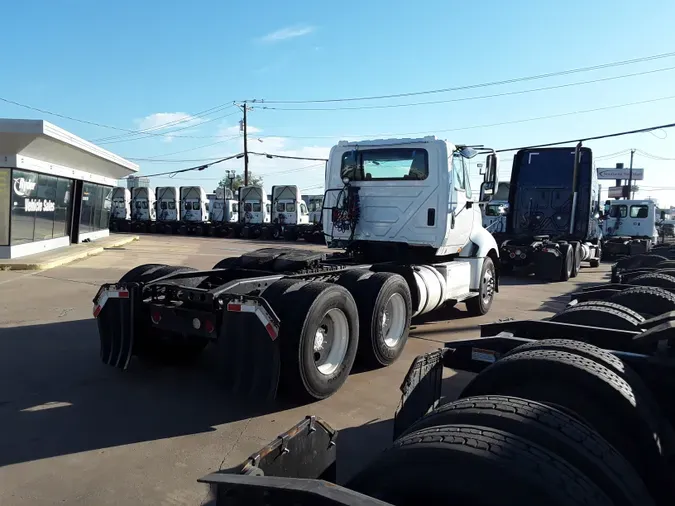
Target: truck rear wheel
<point x="470" y="464"/>
<point x="591" y="392"/>
<point x="318" y="338"/>
<point x="576" y="265"/>
<point x="567" y="262"/>
<point x="598" y="316"/>
<point x="480" y="304"/>
<point x="276" y="233"/>
<point x="552" y="429"/>
<point x="385" y="310"/>
<point x="137" y="274"/>
<point x="654" y="279"/>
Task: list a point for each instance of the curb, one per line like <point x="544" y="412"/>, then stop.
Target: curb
<point x="43" y="266"/>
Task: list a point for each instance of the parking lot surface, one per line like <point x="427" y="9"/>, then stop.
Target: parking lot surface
<point x="75" y="431"/>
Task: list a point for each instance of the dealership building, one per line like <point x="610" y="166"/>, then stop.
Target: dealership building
<point x="55" y="188"/>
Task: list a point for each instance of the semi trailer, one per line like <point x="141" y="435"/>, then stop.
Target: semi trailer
<point x="629" y="227"/>
<point x="553" y="223"/>
<point x="575" y="409"/>
<point x="292" y="322"/>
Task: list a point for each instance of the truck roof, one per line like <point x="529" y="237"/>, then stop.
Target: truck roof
<point x="387" y="142"/>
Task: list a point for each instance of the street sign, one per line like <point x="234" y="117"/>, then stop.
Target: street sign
<point x="615" y="192"/>
<point x="614" y="173"/>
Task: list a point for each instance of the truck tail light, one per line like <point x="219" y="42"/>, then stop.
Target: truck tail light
<point x="156" y="317"/>
<point x="512" y="255"/>
<point x="209" y="327"/>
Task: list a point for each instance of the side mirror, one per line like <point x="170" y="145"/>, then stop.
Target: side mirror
<point x="490" y="183"/>
<point x="468" y="152"/>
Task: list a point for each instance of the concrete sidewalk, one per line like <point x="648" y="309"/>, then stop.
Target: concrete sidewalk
<point x="62" y="256"/>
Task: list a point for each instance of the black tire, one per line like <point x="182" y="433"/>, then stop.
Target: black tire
<point x="567" y="262"/>
<point x="557" y="432"/>
<point x="576" y="264"/>
<point x="466" y="465"/>
<point x="593" y="393"/>
<point x="138" y="274"/>
<point x="646" y="300"/>
<point x="372" y="291"/>
<point x="610" y="305"/>
<point x="641" y="260"/>
<point x="276" y="233"/>
<point x="226" y="263"/>
<point x="668" y="264"/>
<point x="598" y="316"/>
<point x="303" y="308"/>
<point x="290" y="234"/>
<point x="481" y="304"/>
<point x="265" y="234"/>
<point x="654" y="279"/>
<point x="246" y="232"/>
<point x="175" y="269"/>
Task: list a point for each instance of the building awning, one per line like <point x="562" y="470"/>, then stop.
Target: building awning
<point x="43" y="141"/>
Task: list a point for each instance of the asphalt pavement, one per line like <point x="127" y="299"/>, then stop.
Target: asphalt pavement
<point x="75" y="431"/>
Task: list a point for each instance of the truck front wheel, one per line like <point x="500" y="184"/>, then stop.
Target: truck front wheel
<point x="480" y="305"/>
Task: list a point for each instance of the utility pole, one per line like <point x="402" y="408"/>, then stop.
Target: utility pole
<point x="630" y="175"/>
<point x="246" y="150"/>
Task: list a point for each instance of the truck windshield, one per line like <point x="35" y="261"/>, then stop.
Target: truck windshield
<point x="387" y="164"/>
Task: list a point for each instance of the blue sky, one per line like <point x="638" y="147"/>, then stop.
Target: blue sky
<point x="134" y="65"/>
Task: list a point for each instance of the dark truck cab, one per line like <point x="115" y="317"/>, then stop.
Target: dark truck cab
<point x="553" y="220"/>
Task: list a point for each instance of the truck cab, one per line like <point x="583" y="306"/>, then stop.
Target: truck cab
<point x="143" y="209"/>
<point x="168" y="209"/>
<point x="314" y="205"/>
<point x="553" y="221"/>
<point x="255" y="210"/>
<point x="120" y="211"/>
<point x="224" y="212"/>
<point x="629" y="227"/>
<point x="194" y="210"/>
<point x="289" y="213"/>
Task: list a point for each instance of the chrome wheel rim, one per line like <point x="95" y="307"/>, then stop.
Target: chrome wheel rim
<point x="393" y="320"/>
<point x="331" y="340"/>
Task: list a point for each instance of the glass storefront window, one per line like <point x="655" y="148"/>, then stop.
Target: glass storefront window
<point x="5" y="185"/>
<point x="41" y="207"/>
<point x="96" y="203"/>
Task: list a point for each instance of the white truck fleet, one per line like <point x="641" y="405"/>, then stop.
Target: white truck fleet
<point x="168" y="210"/>
<point x="143" y="209"/>
<point x="293" y="321"/>
<point x="120" y="212"/>
<point x="629" y="227"/>
<point x="224" y="213"/>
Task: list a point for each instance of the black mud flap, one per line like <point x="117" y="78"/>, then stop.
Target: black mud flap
<point x="298" y="467"/>
<point x="421" y="390"/>
<point x="115" y="322"/>
<point x="248" y="357"/>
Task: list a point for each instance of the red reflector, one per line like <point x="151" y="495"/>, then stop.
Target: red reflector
<point x="97" y="311"/>
<point x="512" y="255"/>
<point x="124" y="295"/>
<point x="234" y="307"/>
<point x="209" y="327"/>
<point x="270" y="330"/>
<point x="156" y="317"/>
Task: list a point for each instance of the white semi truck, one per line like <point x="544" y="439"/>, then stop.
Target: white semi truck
<point x="290" y="216"/>
<point x="143" y="209"/>
<point x="224" y="213"/>
<point x="120" y="212"/>
<point x="255" y="211"/>
<point x="168" y="210"/>
<point x="293" y="321"/>
<point x="495" y="211"/>
<point x="194" y="211"/>
<point x="629" y="227"/>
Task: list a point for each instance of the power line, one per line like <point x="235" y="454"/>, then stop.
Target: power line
<point x="466" y="99"/>
<point x="198" y="167"/>
<point x="586" y="139"/>
<point x="480" y="85"/>
<point x="268" y="155"/>
<point x="488" y="125"/>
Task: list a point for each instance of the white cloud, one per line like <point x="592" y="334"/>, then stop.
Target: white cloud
<point x="162" y="121"/>
<point x="290" y="32"/>
<point x="234" y="130"/>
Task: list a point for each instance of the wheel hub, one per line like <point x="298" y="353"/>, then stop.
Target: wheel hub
<point x="331" y="340"/>
<point x="488" y="289"/>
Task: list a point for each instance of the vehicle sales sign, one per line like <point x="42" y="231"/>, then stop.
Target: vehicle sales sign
<point x="621" y="173"/>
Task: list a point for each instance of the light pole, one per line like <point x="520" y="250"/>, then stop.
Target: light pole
<point x="231" y="175"/>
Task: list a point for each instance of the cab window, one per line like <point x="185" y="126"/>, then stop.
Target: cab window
<point x="267" y="208"/>
<point x="248" y="207"/>
<point x="256" y="207"/>
<point x="459" y="172"/>
<point x="172" y="205"/>
<point x="290" y="207"/>
<point x="640" y="211"/>
<point x="235" y="208"/>
<point x="162" y="205"/>
<point x="618" y="211"/>
<point x="145" y="204"/>
<point x="188" y="206"/>
<point x="195" y="206"/>
<point x="388" y="164"/>
<point x="280" y="207"/>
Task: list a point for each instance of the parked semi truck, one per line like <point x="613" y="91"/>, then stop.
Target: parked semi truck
<point x="255" y="211"/>
<point x="629" y="227"/>
<point x="143" y="209"/>
<point x="168" y="210"/>
<point x="224" y="213"/>
<point x="314" y="204"/>
<point x="195" y="211"/>
<point x="408" y="228"/>
<point x="290" y="216"/>
<point x="553" y="223"/>
<point x="495" y="211"/>
<point x="120" y="212"/>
